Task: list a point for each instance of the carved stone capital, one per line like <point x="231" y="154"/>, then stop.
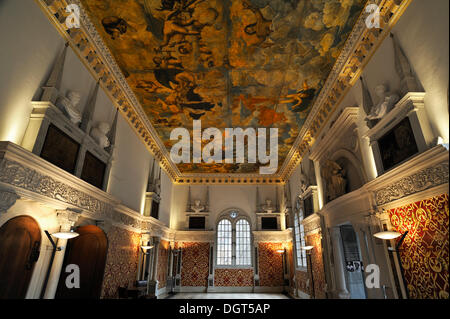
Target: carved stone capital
<point x="67" y="219"/>
<point x="7" y="200"/>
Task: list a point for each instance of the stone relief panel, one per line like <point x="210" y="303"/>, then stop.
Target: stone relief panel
<point x="423" y="180"/>
<point x="16" y="174"/>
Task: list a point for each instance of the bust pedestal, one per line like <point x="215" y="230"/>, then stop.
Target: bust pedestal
<point x="44" y="115"/>
<point x="412" y="107"/>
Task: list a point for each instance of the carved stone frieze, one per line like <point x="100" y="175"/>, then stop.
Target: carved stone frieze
<point x="16" y="174"/>
<point x="311" y="223"/>
<point x="423" y="180"/>
<point x="273" y="236"/>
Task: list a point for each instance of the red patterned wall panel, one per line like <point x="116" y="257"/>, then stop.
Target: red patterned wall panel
<point x="290" y="261"/>
<point x="270" y="265"/>
<point x="163" y="260"/>
<point x="303" y="277"/>
<point x="233" y="278"/>
<point x="317" y="265"/>
<point x="195" y="264"/>
<point x="425" y="251"/>
<point x="121" y="262"/>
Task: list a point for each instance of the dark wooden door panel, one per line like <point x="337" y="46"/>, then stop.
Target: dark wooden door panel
<point x="20" y="240"/>
<point x="87" y="251"/>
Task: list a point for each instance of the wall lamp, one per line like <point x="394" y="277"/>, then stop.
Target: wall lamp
<point x="390" y="235"/>
<point x="146" y="248"/>
<point x="59" y="235"/>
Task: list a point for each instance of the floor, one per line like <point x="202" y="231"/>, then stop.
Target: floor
<point x="228" y="296"/>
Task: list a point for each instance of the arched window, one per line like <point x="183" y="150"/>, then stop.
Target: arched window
<point x="224" y="243"/>
<point x="243" y="243"/>
<point x="299" y="234"/>
<point x="234" y="241"/>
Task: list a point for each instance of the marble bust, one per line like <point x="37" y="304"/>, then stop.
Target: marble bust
<point x="70" y="105"/>
<point x="387" y="101"/>
<point x="99" y="133"/>
<point x="197" y="207"/>
<point x="268" y="207"/>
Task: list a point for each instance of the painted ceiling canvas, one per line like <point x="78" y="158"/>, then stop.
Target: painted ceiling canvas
<point x="228" y="63"/>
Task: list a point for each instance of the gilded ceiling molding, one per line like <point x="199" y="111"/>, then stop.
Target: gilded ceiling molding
<point x="359" y="48"/>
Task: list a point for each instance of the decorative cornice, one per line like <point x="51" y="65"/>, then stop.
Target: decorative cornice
<point x="359" y="48"/>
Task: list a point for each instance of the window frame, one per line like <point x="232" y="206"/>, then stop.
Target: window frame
<point x="234" y="222"/>
<point x="299" y="207"/>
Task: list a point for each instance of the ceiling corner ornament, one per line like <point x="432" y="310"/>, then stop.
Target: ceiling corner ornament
<point x="7" y="200"/>
<point x="94" y="53"/>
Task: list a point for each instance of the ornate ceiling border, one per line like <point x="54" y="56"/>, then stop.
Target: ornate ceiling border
<point x="93" y="52"/>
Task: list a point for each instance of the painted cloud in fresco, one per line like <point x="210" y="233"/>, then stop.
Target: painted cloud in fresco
<point x="229" y="63"/>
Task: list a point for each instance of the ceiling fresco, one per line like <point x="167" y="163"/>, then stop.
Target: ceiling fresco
<point x="228" y="63"/>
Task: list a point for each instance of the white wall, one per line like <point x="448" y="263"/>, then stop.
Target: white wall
<point x="131" y="164"/>
<point x="29" y="46"/>
<point x="168" y="200"/>
<point x="221" y="198"/>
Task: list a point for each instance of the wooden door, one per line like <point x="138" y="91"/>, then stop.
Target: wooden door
<point x="20" y="241"/>
<point x="87" y="251"/>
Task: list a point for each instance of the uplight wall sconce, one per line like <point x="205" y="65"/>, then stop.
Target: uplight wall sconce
<point x="58" y="235"/>
<point x="145" y="249"/>
<point x="390" y="235"/>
